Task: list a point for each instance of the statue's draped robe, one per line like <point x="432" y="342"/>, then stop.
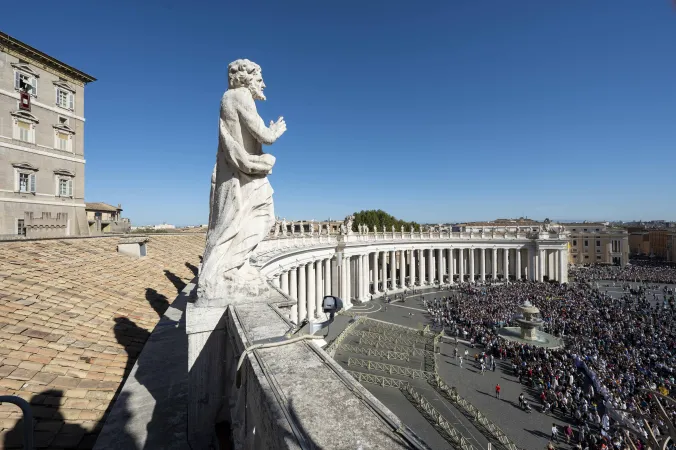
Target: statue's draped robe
<point x="241" y="210"/>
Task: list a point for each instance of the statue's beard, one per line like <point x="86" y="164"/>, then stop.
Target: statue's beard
<point x="257" y="94"/>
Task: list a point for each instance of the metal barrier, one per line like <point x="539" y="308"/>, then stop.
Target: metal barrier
<point x="382" y="343"/>
<point x="395" y="340"/>
<point x="390" y="368"/>
<point x="27" y="418"/>
<point x="427" y="409"/>
<point x="370" y="351"/>
<point x="333" y="346"/>
<point x="451" y="394"/>
<point x="417" y="338"/>
<point x="380" y="380"/>
<point x="399" y="329"/>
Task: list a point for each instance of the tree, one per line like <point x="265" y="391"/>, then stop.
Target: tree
<point x="378" y="219"/>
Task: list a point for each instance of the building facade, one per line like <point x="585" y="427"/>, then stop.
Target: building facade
<point x="597" y="243"/>
<point x="42" y="164"/>
<point x="104" y="218"/>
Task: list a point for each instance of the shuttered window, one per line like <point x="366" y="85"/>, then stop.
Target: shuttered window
<point x="62" y="141"/>
<point x="24" y="131"/>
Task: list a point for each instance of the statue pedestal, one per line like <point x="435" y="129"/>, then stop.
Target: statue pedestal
<point x="207" y="340"/>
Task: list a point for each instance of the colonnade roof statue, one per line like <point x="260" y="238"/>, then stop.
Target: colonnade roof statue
<point x="241" y="210"/>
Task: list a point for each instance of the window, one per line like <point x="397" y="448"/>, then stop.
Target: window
<point x="598" y="249"/>
<point x="574" y="229"/>
<point x="24" y="130"/>
<point x="574" y="242"/>
<point x="586" y="256"/>
<point x="62" y="141"/>
<point x="22" y="80"/>
<point x="598" y="229"/>
<point x="598" y="258"/>
<point x="26" y="182"/>
<point x="585" y="230"/>
<point x="20" y="227"/>
<point x="598" y="243"/>
<point x="65" y="187"/>
<point x="586" y="243"/>
<point x="64" y="98"/>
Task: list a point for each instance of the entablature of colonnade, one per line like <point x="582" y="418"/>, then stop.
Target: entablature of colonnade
<point x="281" y="253"/>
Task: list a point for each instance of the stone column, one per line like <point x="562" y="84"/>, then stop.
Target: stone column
<point x="285" y="282"/>
<point x="365" y="277"/>
<point x="532" y="258"/>
<point x="450" y="264"/>
<point x="411" y="268"/>
<point x="319" y="293"/>
<point x="393" y="270"/>
<point x="551" y="262"/>
<point x="293" y="283"/>
<point x="344" y="278"/>
<point x="541" y="265"/>
<point x="461" y="265"/>
<point x="563" y="266"/>
<point x="471" y="264"/>
<point x="555" y="264"/>
<point x="421" y="267"/>
<point x="440" y="265"/>
<point x="383" y="270"/>
<point x="402" y="268"/>
<point x="374" y="265"/>
<point x="505" y="263"/>
<point x="275" y="281"/>
<point x="302" y="293"/>
<point x="482" y="253"/>
<point x="518" y="263"/>
<point x="430" y="266"/>
<point x="327" y="277"/>
<point x="349" y="279"/>
<point x="311" y="291"/>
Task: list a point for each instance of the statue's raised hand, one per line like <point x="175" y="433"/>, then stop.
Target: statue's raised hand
<point x="279" y="127"/>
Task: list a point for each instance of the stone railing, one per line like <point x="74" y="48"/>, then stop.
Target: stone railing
<point x="319" y="237"/>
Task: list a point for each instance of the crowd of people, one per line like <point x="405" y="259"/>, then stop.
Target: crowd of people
<point x="623" y="345"/>
<point x="636" y="272"/>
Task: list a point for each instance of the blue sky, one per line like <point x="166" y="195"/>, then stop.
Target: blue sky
<point x="433" y="111"/>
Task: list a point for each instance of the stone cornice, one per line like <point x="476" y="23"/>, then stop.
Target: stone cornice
<point x="37" y="58"/>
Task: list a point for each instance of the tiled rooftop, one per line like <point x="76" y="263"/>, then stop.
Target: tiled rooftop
<point x="74" y="315"/>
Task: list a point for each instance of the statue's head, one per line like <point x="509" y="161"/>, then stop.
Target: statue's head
<point x="244" y="73"/>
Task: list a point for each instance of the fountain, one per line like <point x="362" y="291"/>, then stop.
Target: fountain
<point x="528" y="331"/>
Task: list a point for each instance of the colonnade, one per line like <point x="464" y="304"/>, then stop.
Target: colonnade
<point x="358" y="276"/>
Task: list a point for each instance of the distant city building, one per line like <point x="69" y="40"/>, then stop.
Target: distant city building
<point x="42" y="163"/>
<point x="105" y="218"/>
<point x="646" y="240"/>
<point x="162" y="226"/>
<point x="597" y="243"/>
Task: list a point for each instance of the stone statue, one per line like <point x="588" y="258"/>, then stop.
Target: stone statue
<point x="366" y="228"/>
<point x="346" y="226"/>
<point x="360" y="227"/>
<point x="284" y="224"/>
<point x="402" y="229"/>
<point x="383" y="228"/>
<point x="312" y="228"/>
<point x="276" y="230"/>
<point x="392" y="228"/>
<point x="241" y="209"/>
